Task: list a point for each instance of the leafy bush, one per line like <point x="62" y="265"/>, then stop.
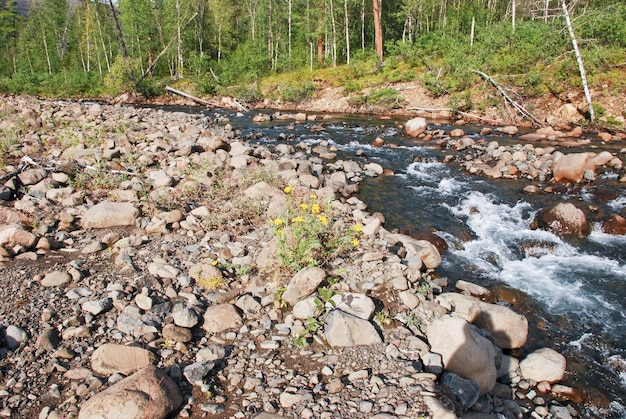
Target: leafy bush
<point x="386" y="97"/>
<point x="124" y="74"/>
<point x="298" y="92"/>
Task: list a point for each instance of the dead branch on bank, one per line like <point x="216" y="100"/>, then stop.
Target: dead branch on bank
<point x="188" y="96"/>
<point x="469" y="115"/>
<point x="520" y="109"/>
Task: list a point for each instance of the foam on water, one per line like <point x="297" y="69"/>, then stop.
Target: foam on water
<point x="618" y="203"/>
<point x="535" y="261"/>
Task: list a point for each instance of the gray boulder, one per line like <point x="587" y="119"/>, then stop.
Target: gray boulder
<point x="464" y="351"/>
<point x="112" y="358"/>
<point x="544" y="364"/>
<point x="110" y="214"/>
<point x="303" y="284"/>
<point x="343" y="329"/>
<point x="147" y="393"/>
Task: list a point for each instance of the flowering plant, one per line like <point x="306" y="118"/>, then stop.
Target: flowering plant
<point x="308" y="234"/>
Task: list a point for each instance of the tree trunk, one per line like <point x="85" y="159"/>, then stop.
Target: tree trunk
<point x="289" y="5"/>
<point x="119" y="29"/>
<point x="179" y="44"/>
<point x="579" y="58"/>
<point x="378" y="34"/>
<point x="363" y="25"/>
<point x="45" y="47"/>
<point x="513" y="9"/>
<point x="347" y="29"/>
<point x="320" y="36"/>
<point x="334" y="29"/>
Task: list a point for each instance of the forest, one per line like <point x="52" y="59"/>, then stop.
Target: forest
<point x="104" y="47"/>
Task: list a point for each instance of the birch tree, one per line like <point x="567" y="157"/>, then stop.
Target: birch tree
<point x="579" y="59"/>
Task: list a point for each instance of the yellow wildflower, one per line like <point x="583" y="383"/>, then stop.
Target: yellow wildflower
<point x="304" y="206"/>
<point x="214" y="263"/>
<point x="358" y="228"/>
<point x="315" y="209"/>
<point x="288" y="189"/>
<point x="279" y="222"/>
<point x="313" y="196"/>
<point x="279" y="231"/>
<point x="297" y="220"/>
<point x="355" y="242"/>
<point x="322" y="219"/>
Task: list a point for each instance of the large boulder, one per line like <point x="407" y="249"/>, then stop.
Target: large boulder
<point x="147" y="393"/>
<point x="616" y="224"/>
<point x="359" y="305"/>
<point x="571" y="167"/>
<point x="14" y="234"/>
<point x="343" y="329"/>
<point x="508" y="329"/>
<point x="424" y="249"/>
<point x="565" y="220"/>
<point x="110" y="214"/>
<point x="415" y="127"/>
<point x="303" y="284"/>
<point x="544" y="364"/>
<point x="463" y="351"/>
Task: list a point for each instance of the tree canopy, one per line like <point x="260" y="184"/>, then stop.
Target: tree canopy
<point x="127" y="43"/>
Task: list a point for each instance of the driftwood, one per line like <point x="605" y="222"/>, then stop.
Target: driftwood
<point x="469" y="115"/>
<point x="507" y="98"/>
<point x="188" y="96"/>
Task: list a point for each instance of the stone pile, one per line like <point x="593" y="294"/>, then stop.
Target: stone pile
<point x="140" y="278"/>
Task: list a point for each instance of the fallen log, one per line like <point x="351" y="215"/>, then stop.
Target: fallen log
<point x="188" y="96"/>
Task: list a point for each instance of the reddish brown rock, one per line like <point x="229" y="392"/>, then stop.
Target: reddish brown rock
<point x="616" y="224"/>
<point x="571" y="167"/>
<point x="565" y="220"/>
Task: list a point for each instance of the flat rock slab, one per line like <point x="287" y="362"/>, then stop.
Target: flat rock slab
<point x="55" y="279"/>
<point x="147" y="393"/>
<point x="221" y="317"/>
<point x="110" y="214"/>
<point x="112" y="358"/>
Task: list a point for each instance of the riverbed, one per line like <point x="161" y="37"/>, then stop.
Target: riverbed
<point x="572" y="291"/>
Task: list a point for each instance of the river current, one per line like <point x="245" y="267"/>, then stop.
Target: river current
<point x="572" y="291"/>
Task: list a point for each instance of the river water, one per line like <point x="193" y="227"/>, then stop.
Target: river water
<point x="573" y="292"/>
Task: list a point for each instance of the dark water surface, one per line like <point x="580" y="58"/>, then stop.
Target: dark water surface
<point x="573" y="292"/>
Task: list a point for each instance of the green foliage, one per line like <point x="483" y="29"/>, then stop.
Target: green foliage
<point x="311" y="326"/>
<point x="308" y="235"/>
<point x="298" y="92"/>
<point x="126" y="75"/>
<point x="385" y="97"/>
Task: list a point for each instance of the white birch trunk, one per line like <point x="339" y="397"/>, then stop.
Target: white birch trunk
<point x="346" y="20"/>
<point x="579" y="59"/>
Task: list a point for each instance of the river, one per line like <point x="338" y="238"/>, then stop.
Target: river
<point x="572" y="291"/>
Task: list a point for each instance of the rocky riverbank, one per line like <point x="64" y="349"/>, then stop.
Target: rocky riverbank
<point x="153" y="264"/>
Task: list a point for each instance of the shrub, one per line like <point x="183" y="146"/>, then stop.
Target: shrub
<point x="386" y="97"/>
<point x="298" y="92"/>
<point x="308" y="235"/>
